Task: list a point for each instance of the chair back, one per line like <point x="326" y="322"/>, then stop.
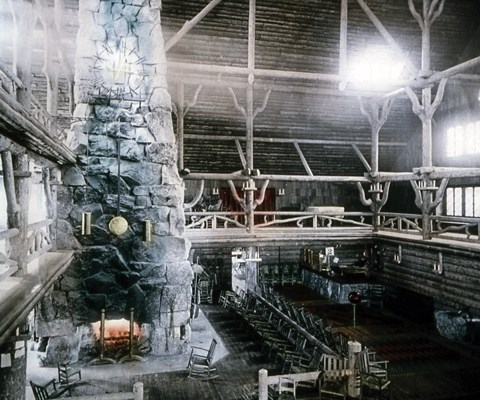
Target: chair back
<point x="39" y="392"/>
<point x="287" y="386"/>
<point x="334" y="366"/>
<point x="62" y="373"/>
<point x="211" y="349"/>
<point x="362" y="362"/>
<point x="316" y="360"/>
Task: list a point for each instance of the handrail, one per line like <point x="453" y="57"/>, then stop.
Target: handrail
<point x="307" y="335"/>
<point x="8" y="233"/>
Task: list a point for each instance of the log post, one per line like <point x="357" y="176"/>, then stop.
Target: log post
<point x="23" y="21"/>
<point x="424" y="192"/>
<point x="180" y="120"/>
<point x="138" y="391"/>
<point x="263" y="384"/>
<point x="18" y="245"/>
<point x="379" y="195"/>
<point x="51" y="63"/>
<point x="354" y="348"/>
<point x="9" y="182"/>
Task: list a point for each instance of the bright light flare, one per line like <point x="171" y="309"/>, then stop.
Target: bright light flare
<point x="376" y="68"/>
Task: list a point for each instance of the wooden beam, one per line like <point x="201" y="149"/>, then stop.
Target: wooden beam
<point x="434" y="173"/>
<point x="325" y="142"/>
<point x="188" y="25"/>
<point x="302" y="157"/>
<point x="362" y="158"/>
<point x="240" y="153"/>
<point x="258" y="72"/>
<point x="287" y="178"/>
<point x="342" y="70"/>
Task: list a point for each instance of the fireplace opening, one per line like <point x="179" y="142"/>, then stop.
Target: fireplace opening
<point x="116" y="342"/>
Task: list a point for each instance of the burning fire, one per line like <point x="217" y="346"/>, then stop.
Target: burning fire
<point x="116" y="328"/>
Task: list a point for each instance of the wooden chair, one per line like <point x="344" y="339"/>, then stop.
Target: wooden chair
<point x="333" y="381"/>
<point x="68" y="376"/>
<point x="374" y="376"/>
<point x="200" y="362"/>
<point x="205" y="291"/>
<point x="376" y="296"/>
<point x="287" y="389"/>
<point x="47" y="391"/>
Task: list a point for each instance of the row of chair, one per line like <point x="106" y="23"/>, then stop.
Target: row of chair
<point x="279" y="274"/>
<point x="285" y="344"/>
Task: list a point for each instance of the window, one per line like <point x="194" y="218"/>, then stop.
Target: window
<point x="463" y="201"/>
<point x="463" y="139"/>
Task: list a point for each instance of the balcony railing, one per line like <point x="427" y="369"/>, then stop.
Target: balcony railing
<point x="458" y="228"/>
<point x="277" y="219"/>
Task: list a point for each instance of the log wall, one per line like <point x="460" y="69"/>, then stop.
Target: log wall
<point x="456" y="287"/>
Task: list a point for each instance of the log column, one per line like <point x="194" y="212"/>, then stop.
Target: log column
<point x="23" y="21"/>
<point x="425" y="110"/>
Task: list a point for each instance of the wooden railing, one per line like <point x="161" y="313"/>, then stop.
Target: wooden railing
<point x="215" y="220"/>
<point x="39" y="242"/>
<point x="277" y="219"/>
<point x="466" y="228"/>
<point x="39" y="239"/>
<point x="459" y="228"/>
<point x="406" y="223"/>
<point x="10" y="83"/>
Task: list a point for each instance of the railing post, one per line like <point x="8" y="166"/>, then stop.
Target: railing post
<point x="214" y="222"/>
<point x="138" y="391"/>
<point x="353" y="388"/>
<point x="263" y="384"/>
<point x="315" y="223"/>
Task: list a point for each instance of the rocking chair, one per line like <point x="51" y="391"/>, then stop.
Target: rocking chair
<point x="50" y="390"/>
<point x="200" y="362"/>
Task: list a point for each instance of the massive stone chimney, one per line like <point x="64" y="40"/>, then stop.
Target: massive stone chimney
<point x="122" y="208"/>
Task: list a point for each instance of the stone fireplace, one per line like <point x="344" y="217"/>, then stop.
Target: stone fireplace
<point x="121" y="208"/>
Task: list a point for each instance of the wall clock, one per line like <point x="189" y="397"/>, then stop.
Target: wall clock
<point x="118" y="69"/>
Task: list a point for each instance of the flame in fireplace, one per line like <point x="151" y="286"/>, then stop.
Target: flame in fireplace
<point x="116" y="328"/>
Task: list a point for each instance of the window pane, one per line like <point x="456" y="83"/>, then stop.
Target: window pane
<point x="451" y="142"/>
<point x="477" y="137"/>
<point x="476" y="212"/>
<point x="469" y="202"/>
<point x="458" y="202"/>
<point x="470" y="137"/>
<point x="459" y="140"/>
<point x="450" y="201"/>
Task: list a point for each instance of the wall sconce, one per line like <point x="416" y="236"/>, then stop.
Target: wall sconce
<point x="215" y="191"/>
<point x="86" y="223"/>
<point x="397" y="257"/>
<point x="147" y="230"/>
<point x="281" y="192"/>
<point x="438" y="265"/>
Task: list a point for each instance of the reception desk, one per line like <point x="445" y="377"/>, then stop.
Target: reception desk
<point x="335" y="288"/>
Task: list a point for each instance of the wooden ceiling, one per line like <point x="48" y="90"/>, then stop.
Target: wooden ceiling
<point x="300" y="36"/>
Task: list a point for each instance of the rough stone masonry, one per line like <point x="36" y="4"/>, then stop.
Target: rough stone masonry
<point x="123" y="137"/>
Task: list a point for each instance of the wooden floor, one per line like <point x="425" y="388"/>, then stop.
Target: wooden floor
<point x="424" y="366"/>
